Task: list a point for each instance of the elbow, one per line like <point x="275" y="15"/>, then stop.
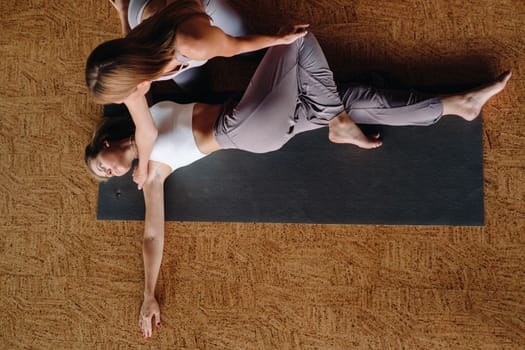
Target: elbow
<point x="148" y="238"/>
<point x="152" y="236"/>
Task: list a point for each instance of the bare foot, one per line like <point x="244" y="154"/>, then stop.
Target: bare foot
<point x="120" y="5"/>
<point x="342" y="129"/>
<point x="468" y="105"/>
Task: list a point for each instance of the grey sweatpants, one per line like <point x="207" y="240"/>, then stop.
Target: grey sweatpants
<point x="293" y="91"/>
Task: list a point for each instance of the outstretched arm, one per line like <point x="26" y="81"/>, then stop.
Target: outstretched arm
<point x="198" y="39"/>
<point x="145" y="130"/>
<point x="153" y="244"/>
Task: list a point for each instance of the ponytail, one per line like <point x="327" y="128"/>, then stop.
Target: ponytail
<point x="116" y="67"/>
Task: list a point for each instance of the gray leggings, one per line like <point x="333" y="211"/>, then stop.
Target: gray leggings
<point x="293" y="91"/>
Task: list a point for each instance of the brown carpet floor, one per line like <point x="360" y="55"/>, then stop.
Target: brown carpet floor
<point x="68" y="281"/>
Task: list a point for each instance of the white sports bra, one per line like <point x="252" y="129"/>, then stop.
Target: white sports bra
<point x="175" y="145"/>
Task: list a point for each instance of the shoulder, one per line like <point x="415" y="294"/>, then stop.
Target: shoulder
<point x="157" y="173"/>
<point x="192" y="34"/>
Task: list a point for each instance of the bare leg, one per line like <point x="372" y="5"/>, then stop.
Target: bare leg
<point x="122" y="8"/>
<point x="468" y="105"/>
<point x="342" y="129"/>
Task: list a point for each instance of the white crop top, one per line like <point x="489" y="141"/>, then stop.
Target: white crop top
<point x="175" y="144"/>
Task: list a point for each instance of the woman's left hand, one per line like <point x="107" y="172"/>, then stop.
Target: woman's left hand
<point x="289" y="34"/>
<point x="150" y="308"/>
<point x="140" y="175"/>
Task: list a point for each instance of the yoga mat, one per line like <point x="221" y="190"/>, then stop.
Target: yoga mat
<point x="420" y="176"/>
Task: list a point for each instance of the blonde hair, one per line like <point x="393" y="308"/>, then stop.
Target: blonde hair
<point x="109" y="129"/>
<point x="116" y="67"/>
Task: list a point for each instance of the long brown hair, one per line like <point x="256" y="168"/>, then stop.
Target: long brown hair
<point x="116" y="67"/>
<point x="109" y="129"/>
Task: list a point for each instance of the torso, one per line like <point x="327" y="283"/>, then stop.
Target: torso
<point x="140" y="10"/>
<point x="204" y="117"/>
<point x="186" y="132"/>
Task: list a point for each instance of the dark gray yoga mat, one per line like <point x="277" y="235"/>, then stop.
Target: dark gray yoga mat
<point x="420" y="176"/>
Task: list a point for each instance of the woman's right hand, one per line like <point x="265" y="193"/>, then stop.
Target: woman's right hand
<point x="290" y="33"/>
<point x="150" y="308"/>
<point x="137" y="95"/>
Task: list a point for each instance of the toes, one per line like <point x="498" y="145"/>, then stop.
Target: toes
<point x="505" y="76"/>
<point x="377" y="144"/>
<point x="373" y="141"/>
<point x="370" y="144"/>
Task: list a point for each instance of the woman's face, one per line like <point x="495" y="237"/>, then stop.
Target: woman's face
<point x="112" y="161"/>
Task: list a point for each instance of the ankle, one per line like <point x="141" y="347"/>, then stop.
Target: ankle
<point x="341" y="120"/>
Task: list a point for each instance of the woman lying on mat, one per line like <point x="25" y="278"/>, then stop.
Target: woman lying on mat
<point x="172" y="42"/>
<point x="292" y="91"/>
